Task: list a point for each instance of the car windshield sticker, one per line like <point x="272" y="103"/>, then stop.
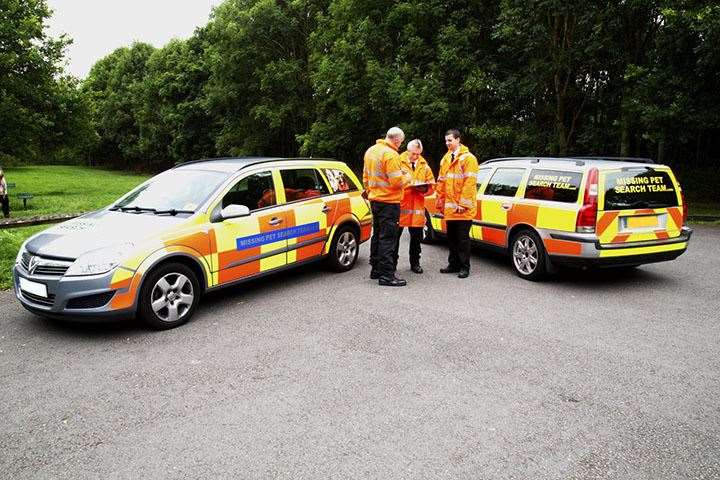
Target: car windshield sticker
<point x="276" y="235"/>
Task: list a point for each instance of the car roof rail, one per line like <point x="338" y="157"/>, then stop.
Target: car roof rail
<point x="617" y="159"/>
<point x="248" y="161"/>
<point x="578" y="160"/>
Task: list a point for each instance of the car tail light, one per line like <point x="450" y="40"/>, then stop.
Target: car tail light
<point x="685" y="208"/>
<point x="587" y="216"/>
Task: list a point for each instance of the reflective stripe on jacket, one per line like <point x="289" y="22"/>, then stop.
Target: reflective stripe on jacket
<point x="457" y="185"/>
<point x="412" y="207"/>
<point x="383" y="173"/>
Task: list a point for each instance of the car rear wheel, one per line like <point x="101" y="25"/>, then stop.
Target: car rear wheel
<point x="528" y="255"/>
<point x="169" y="296"/>
<point x="343" y="249"/>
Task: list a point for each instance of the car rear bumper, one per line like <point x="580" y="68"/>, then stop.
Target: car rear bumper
<point x="593" y="253"/>
<point x="617" y="261"/>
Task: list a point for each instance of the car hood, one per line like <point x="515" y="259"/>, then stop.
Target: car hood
<point x="99" y="229"/>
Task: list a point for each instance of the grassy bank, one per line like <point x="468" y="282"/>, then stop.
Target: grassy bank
<point x="56" y="189"/>
<point x="66" y="189"/>
<point x="10" y="241"/>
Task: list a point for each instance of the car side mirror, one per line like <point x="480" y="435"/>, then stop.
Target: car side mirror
<point x="231" y="211"/>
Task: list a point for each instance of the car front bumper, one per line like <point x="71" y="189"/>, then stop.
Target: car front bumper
<point x="87" y="297"/>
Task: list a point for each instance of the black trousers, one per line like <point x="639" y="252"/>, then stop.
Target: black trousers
<point x="384" y="237"/>
<point x="458" y="233"/>
<point x="5" y="201"/>
<point x="416" y="235"/>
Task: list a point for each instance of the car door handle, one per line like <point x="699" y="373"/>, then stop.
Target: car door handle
<point x="506" y="206"/>
<point x="275" y="221"/>
<point x="326" y="209"/>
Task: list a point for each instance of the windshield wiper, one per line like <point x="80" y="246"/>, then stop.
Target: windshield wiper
<point x="172" y="211"/>
<point x="137" y="209"/>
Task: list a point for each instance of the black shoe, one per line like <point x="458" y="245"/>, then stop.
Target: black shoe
<point x="449" y="270"/>
<point x="416" y="268"/>
<point x="392" y="282"/>
<point x="464" y="274"/>
<point x="374" y="275"/>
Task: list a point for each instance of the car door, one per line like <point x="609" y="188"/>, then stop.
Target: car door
<point x="256" y="243"/>
<point x="482" y="177"/>
<point x="307" y="214"/>
<point x="496" y="202"/>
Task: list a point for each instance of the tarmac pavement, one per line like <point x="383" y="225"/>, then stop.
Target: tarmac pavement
<point x="310" y="374"/>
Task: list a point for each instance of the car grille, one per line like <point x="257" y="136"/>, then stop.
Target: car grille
<point x="48" y="302"/>
<point x="44" y="266"/>
<point x="26" y="260"/>
<point x="52" y="270"/>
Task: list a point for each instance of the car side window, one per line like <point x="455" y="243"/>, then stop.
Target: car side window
<point x="254" y="191"/>
<point x="553" y="185"/>
<point x="339" y="181"/>
<point x="505" y="182"/>
<point x="302" y="183"/>
<point x="482" y="177"/>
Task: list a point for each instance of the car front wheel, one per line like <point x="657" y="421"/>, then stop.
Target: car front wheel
<point x="169" y="296"/>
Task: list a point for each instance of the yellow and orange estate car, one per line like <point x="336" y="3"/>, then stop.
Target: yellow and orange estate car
<point x="583" y="211"/>
<point x="196" y="227"/>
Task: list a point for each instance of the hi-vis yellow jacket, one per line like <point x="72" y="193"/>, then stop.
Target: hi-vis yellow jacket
<point x="412" y="207"/>
<point x="383" y="174"/>
<point x="457" y="185"/>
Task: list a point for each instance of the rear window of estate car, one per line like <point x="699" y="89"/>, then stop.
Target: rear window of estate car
<point x="553" y="185"/>
<point x="639" y="189"/>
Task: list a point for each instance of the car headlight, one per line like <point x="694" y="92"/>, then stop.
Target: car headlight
<point x="99" y="261"/>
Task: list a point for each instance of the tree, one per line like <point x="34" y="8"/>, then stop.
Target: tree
<point x="422" y="65"/>
<point x="174" y="122"/>
<point x="114" y="88"/>
<point x="259" y="89"/>
<point x="29" y="63"/>
<point x="564" y="49"/>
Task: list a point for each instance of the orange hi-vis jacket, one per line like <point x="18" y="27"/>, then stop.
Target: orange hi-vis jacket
<point x="457" y="185"/>
<point x="383" y="174"/>
<point x="412" y="206"/>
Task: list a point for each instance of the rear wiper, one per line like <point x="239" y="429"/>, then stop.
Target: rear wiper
<point x="172" y="212"/>
<point x="638" y="204"/>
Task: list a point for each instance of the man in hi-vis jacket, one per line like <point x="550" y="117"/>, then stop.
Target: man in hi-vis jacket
<point x="456" y="199"/>
<point x="384" y="178"/>
<point x="412" y="207"/>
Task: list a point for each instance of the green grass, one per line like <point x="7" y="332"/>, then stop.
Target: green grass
<point x="10" y="241"/>
<point x="56" y="189"/>
<point x="66" y="189"/>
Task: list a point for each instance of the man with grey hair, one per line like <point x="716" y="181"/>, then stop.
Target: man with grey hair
<point x="384" y="178"/>
<point x="412" y="206"/>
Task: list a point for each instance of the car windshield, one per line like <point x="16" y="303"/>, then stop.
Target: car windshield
<point x="173" y="191"/>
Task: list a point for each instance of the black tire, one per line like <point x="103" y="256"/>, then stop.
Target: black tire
<point x="527" y="255"/>
<point x="344" y="249"/>
<point x="429" y="235"/>
<point x="180" y="292"/>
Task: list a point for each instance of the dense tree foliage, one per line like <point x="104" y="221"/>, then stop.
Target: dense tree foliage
<point x="42" y="116"/>
<point x="327" y="77"/>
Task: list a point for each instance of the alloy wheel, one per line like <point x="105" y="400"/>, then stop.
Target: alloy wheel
<point x="172" y="296"/>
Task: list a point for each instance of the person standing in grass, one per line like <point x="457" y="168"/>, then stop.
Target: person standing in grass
<point x="4" y="198"/>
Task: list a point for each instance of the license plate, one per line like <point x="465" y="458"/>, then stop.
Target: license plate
<point x="39" y="289"/>
<point x="645" y="221"/>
